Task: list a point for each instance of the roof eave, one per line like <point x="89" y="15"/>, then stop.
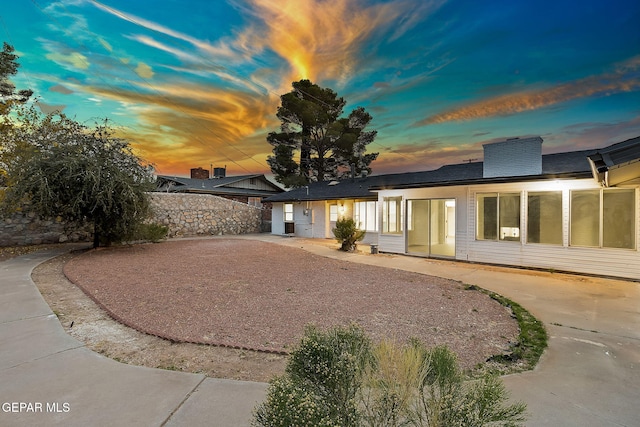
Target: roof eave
<point x="480" y="181"/>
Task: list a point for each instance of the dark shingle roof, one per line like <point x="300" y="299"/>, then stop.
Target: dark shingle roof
<point x="215" y="185"/>
<point x="560" y="165"/>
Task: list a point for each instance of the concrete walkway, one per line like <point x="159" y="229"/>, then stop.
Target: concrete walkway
<point x="48" y="378"/>
<point x="589" y="376"/>
<point x="590" y="373"/>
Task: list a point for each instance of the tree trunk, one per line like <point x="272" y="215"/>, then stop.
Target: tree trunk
<point x="96" y="237"/>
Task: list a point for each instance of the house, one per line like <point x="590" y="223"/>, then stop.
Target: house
<point x="575" y="211"/>
<point x="251" y="189"/>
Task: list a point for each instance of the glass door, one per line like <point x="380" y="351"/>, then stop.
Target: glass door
<point x="431" y="227"/>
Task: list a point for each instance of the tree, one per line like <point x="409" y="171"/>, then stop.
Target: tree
<point x="9" y="67"/>
<point x="62" y="168"/>
<point x="329" y="146"/>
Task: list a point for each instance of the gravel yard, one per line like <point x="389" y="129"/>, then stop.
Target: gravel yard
<point x="256" y="296"/>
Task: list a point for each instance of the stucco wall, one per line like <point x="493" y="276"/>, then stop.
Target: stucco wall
<point x="202" y="214"/>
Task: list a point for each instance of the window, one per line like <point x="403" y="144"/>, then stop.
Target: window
<point x="365" y="214"/>
<point x="288" y="212"/>
<point x="498" y="216"/>
<point x="392" y="215"/>
<point x="333" y="213"/>
<point x="255" y="201"/>
<point x="544" y="217"/>
<point x="603" y="218"/>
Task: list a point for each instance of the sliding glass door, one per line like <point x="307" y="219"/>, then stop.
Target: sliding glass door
<point x="431" y="227"/>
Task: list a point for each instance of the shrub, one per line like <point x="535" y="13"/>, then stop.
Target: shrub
<point x="322" y="382"/>
<point x="152" y="232"/>
<point x="347" y="233"/>
<point x="338" y="378"/>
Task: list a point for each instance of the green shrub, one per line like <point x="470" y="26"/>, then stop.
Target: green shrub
<point x="338" y="378"/>
<point x="150" y="232"/>
<point x="325" y="369"/>
<point x="347" y="233"/>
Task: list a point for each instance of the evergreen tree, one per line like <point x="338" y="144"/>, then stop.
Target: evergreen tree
<point x="329" y="146"/>
<point x="9" y="67"/>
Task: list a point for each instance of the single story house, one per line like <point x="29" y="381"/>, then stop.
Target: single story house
<point x="575" y="211"/>
<point x="250" y="189"/>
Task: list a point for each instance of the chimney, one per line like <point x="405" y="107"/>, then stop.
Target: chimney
<point x="513" y="157"/>
<point x="219" y="172"/>
<point x="199" y="173"/>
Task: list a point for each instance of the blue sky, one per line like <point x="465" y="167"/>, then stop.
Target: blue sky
<point x="196" y="83"/>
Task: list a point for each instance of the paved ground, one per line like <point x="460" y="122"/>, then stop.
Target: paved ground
<point x="590" y="375"/>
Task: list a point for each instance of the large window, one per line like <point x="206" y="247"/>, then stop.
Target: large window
<point x="603" y="218"/>
<point x="498" y="216"/>
<point x="392" y="215"/>
<point x="544" y="217"/>
<point x="365" y="214"/>
<point x="288" y="212"/>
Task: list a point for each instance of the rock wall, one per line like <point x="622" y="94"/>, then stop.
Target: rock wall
<point x="184" y="214"/>
<point x="26" y="228"/>
<point x="204" y="214"/>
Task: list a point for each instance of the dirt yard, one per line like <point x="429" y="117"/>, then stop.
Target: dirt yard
<point x="231" y="308"/>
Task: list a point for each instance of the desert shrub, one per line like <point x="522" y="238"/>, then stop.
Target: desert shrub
<point x="288" y="403"/>
<point x="325" y="370"/>
<point x="338" y="378"/>
<point x="347" y="233"/>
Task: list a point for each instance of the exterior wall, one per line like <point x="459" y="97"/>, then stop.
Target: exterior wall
<point x="602" y="261"/>
<point x="26" y="228"/>
<point x="312" y="219"/>
<point x="184" y="214"/>
<point x="203" y="214"/>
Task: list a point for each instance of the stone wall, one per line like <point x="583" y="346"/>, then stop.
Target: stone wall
<point x="26" y="228"/>
<point x="204" y="214"/>
<point x="184" y="214"/>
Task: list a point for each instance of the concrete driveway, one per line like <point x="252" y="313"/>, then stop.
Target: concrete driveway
<point x="589" y="376"/>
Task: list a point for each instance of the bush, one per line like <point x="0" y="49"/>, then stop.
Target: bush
<point x="347" y="233"/>
<point x="338" y="378"/>
<point x="322" y="382"/>
<point x="151" y="232"/>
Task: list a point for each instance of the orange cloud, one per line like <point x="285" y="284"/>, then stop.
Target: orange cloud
<point x="321" y="39"/>
<point x="184" y="126"/>
<point x="623" y="79"/>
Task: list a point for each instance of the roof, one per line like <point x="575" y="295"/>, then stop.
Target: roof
<point x="230" y="185"/>
<point x="617" y="164"/>
<point x="554" y="166"/>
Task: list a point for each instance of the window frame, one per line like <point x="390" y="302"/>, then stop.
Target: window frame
<point x="287" y="214"/>
<point x="602" y="222"/>
<point x="515" y="229"/>
<point x="361" y="215"/>
<point x="397" y="215"/>
<point x="528" y="196"/>
<point x="333" y="212"/>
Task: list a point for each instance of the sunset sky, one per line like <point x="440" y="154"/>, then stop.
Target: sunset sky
<point x="196" y="83"/>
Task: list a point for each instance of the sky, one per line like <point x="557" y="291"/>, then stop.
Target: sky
<point x="196" y="83"/>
